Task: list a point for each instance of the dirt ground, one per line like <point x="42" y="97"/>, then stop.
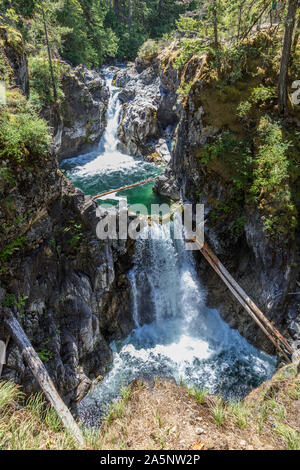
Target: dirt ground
<point x="163" y="415"/>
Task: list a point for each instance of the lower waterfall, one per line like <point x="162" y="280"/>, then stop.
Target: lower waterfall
<point x="182" y="338"/>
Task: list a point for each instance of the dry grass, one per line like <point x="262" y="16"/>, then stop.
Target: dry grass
<point x="30" y="424"/>
<point x="162" y="415"/>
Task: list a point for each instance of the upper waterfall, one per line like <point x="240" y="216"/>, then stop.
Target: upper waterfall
<point x="109" y="141"/>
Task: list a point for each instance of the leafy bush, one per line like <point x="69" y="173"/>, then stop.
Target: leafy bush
<point x="41" y="83"/>
<point x="189" y="48"/>
<point x="149" y="50"/>
<point x="270" y="187"/>
<point x="11" y="248"/>
<point x="23" y="134"/>
<point x="243" y="108"/>
<point x="259" y="96"/>
<point x="235" y="153"/>
<point x="233" y="61"/>
<point x="262" y="94"/>
<point x="188" y="25"/>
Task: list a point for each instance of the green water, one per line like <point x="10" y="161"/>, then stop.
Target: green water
<point x="107" y="168"/>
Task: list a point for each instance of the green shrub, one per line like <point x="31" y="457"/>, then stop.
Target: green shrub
<point x="41" y="82"/>
<point x="270" y="187"/>
<point x="189" y="48"/>
<point x="243" y="108"/>
<point x="44" y="354"/>
<point x="184" y="89"/>
<point x="11" y="248"/>
<point x="233" y="61"/>
<point x="261" y="94"/>
<point x="235" y="153"/>
<point x="6" y="175"/>
<point x="23" y="134"/>
<point x="8" y="300"/>
<point x="149" y="50"/>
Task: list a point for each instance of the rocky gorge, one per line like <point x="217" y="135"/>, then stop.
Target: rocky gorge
<point x="157" y="115"/>
<point x="73" y="287"/>
<point x="81" y="120"/>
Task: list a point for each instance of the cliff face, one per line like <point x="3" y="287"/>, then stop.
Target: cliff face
<point x="64" y="281"/>
<point x="68" y="288"/>
<point x="14" y="57"/>
<point x="146" y="127"/>
<point x="266" y="267"/>
<point x="81" y="121"/>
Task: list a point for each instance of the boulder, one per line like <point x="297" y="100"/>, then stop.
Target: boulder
<point x="83" y="117"/>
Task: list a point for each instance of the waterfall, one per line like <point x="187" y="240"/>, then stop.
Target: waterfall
<point x="164" y="276"/>
<point x="176" y="334"/>
<point x="106" y="167"/>
<point x="109" y="141"/>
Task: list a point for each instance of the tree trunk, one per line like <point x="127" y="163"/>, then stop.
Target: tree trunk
<point x="40" y="373"/>
<point x="239" y="21"/>
<point x="215" y="22"/>
<point x="116" y="7"/>
<point x="296" y="37"/>
<point x="49" y="53"/>
<point x="255" y="21"/>
<point x="286" y="50"/>
<point x="129" y="12"/>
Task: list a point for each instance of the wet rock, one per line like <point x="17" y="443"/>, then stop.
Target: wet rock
<point x="146" y="127"/>
<point x="74" y="287"/>
<point x="83" y="112"/>
<point x="167" y="186"/>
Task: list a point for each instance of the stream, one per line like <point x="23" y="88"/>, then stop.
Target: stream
<point x="183" y="338"/>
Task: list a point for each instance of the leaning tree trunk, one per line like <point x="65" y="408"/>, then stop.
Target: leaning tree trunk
<point x="49" y="53"/>
<point x="239" y="21"/>
<point x="40" y="373"/>
<point x="296" y="38"/>
<point x="286" y="50"/>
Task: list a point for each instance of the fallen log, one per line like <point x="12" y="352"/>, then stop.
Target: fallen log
<point x="273" y="334"/>
<point x="111" y="191"/>
<point x="246" y="298"/>
<point x="40" y="373"/>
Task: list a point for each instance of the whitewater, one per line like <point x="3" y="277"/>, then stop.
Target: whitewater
<point x="176" y="334"/>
